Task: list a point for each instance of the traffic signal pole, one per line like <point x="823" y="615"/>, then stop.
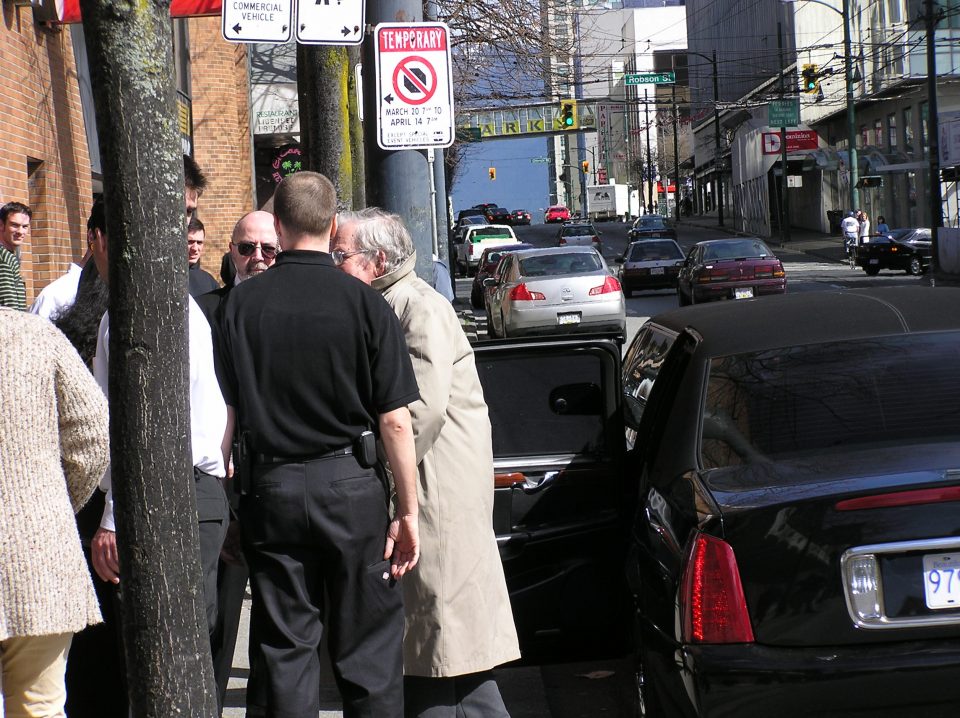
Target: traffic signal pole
<point x="397" y="180"/>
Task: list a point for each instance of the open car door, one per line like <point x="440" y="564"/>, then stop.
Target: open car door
<point x="562" y="502"/>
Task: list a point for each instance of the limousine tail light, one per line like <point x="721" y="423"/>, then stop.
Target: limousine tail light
<point x="713" y="606"/>
<point x="521" y="293"/>
<point x="610" y="284"/>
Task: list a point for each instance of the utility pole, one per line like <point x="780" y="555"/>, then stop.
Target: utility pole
<point x="717" y="165"/>
<point x="784" y="196"/>
<point x="676" y="152"/>
<point x="933" y="133"/>
<point x="397" y="180"/>
<point x="649" y="168"/>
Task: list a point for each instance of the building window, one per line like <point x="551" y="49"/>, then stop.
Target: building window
<point x="924" y="128"/>
<point x="891" y="131"/>
<point x="878" y="132"/>
<point x="864" y="137"/>
<point x="894" y="11"/>
<point x="908" y="129"/>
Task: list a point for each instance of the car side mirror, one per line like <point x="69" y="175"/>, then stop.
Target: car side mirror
<point x="490" y="282"/>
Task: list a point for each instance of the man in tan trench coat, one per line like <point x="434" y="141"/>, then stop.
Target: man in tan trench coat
<point x="458" y="619"/>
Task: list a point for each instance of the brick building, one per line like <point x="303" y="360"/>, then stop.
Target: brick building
<point x="48" y="148"/>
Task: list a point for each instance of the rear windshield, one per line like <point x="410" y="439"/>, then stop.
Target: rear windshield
<point x="650" y="221"/>
<point x="737" y="249"/>
<point x="576" y="230"/>
<point x="546" y="265"/>
<point x="653" y="251"/>
<point x="806" y="401"/>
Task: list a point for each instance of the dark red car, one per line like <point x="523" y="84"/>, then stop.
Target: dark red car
<point x="488" y="263"/>
<point x="520" y="216"/>
<point x="739" y="268"/>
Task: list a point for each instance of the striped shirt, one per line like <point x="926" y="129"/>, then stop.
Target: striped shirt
<point x="13" y="292"/>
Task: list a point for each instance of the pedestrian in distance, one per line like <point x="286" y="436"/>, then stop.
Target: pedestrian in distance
<point x="459" y="624"/>
<point x="864" y="232"/>
<point x="199" y="280"/>
<point x="53" y="449"/>
<point x="882" y="227"/>
<point x="315" y="365"/>
<point x="14" y="231"/>
<point x="850" y="228"/>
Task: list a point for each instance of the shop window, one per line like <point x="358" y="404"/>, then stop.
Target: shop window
<point x="878" y="132"/>
<point x="908" y="129"/>
<point x="891" y="131"/>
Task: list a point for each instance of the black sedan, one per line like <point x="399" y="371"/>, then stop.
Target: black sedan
<point x="520" y="216"/>
<point x="797" y="548"/>
<point x="909" y="250"/>
<point x="651" y="226"/>
<point x="498" y="215"/>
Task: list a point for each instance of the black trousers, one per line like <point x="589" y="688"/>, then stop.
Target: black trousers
<point x="308" y="529"/>
<point x="213" y="515"/>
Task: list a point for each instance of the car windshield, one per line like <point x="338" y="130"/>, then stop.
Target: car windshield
<point x="548" y="265"/>
<point x="810" y="400"/>
<point x="650" y="221"/>
<point x="576" y="230"/>
<point x="736" y="249"/>
<point x="654" y="251"/>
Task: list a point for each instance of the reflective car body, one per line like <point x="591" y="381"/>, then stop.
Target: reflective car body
<point x="556" y="213"/>
<point x="799" y="499"/>
<point x="907" y="249"/>
<point x="650" y="264"/>
<point x="476" y="239"/>
<point x="651" y="226"/>
<point x="739" y="268"/>
<point x="489" y="259"/>
<point x="521" y="216"/>
<point x="554" y="290"/>
<point x="579" y="234"/>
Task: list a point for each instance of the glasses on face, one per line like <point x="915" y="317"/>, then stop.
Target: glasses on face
<point x="246" y="249"/>
<point x="339" y="256"/>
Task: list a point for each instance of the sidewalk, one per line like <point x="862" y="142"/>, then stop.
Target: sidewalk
<point x="802" y="241"/>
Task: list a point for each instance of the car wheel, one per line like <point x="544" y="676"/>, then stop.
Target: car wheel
<point x="872" y="271"/>
<point x="682" y="298"/>
<point x="915" y="267"/>
<point x="645" y="702"/>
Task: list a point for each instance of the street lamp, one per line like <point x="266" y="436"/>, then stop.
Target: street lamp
<point x="848" y="78"/>
<point x="716" y="131"/>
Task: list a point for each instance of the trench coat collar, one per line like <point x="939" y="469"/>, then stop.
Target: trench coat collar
<point x="384" y="282"/>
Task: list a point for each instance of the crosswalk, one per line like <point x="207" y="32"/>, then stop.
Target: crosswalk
<point x="816" y="267"/>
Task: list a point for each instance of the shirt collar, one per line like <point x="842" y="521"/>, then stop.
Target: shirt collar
<point x="304" y="256"/>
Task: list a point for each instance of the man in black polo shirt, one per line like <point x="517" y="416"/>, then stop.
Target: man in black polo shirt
<point x="312" y="358"/>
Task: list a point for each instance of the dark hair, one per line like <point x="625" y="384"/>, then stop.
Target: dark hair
<point x="13" y="208"/>
<point x="193" y="176"/>
<point x="80" y="321"/>
<point x="98" y="216"/>
<point x="195" y="225"/>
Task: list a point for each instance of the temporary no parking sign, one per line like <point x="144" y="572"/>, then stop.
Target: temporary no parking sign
<point x="415" y="86"/>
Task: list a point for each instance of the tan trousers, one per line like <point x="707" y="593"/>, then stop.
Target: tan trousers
<point x="31" y="676"/>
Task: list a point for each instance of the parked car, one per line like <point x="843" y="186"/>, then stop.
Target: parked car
<point x="498" y="215"/>
<point x="470" y="220"/>
<point x="798" y="505"/>
<point x="651" y="226"/>
<point x="489" y="259"/>
<point x="579" y="234"/>
<point x="907" y="249"/>
<point x="470" y="212"/>
<point x="554" y="290"/>
<point x="650" y="264"/>
<point x="484" y="206"/>
<point x="476" y="239"/>
<point x="730" y="269"/>
<point x="556" y="213"/>
<point x="521" y="216"/>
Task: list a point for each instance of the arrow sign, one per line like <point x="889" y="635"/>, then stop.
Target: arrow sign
<point x="256" y="20"/>
<point x="322" y="22"/>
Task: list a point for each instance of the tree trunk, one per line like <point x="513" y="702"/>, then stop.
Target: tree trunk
<point x="164" y="624"/>
<point x="322" y="75"/>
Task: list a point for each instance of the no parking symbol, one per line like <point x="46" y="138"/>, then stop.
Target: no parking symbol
<point x="415" y="87"/>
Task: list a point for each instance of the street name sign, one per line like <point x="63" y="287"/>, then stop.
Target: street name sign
<point x="783" y="113"/>
<point x="540" y="160"/>
<point x="414" y="86"/>
<point x="649" y="78"/>
<point x="256" y="20"/>
<point x="330" y="22"/>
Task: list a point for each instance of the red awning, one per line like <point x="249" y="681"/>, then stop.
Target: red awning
<point x="69" y="11"/>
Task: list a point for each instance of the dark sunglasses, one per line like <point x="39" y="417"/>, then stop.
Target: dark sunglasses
<point x="246" y="249"/>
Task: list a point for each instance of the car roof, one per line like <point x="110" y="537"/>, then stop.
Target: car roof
<point x="750" y="325"/>
<point x="515" y="247"/>
<point x="566" y="249"/>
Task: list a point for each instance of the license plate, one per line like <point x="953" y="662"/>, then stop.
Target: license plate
<point x="941" y="580"/>
<point x="568" y="318"/>
<point x="743" y="293"/>
<point x="656" y="270"/>
<point x="874" y="261"/>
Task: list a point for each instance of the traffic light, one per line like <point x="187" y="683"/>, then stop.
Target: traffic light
<point x="568" y="114"/>
<point x="493" y="173"/>
<point x="586" y="166"/>
<point x="811" y="79"/>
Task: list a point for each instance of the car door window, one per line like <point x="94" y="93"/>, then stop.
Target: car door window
<point x="640" y="368"/>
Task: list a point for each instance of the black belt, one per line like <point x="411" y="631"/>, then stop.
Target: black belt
<point x="267" y="459"/>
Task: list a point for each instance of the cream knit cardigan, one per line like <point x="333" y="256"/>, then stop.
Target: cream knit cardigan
<point x="54" y="435"/>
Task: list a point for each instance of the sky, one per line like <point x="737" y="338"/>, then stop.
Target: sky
<point x="520" y="183"/>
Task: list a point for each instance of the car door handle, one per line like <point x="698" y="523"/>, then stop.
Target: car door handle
<point x="534" y="487"/>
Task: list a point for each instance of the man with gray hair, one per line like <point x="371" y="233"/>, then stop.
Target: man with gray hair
<point x="459" y="624"/>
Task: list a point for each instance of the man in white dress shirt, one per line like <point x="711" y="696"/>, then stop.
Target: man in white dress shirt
<point x="62" y="291"/>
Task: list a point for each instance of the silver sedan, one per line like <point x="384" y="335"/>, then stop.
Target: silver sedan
<point x="554" y="291"/>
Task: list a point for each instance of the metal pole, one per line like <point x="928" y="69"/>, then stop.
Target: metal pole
<point x="784" y="195"/>
<point x="676" y="153"/>
<point x="851" y="109"/>
<point x="716" y="141"/>
<point x="646" y="115"/>
<point x="933" y="133"/>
